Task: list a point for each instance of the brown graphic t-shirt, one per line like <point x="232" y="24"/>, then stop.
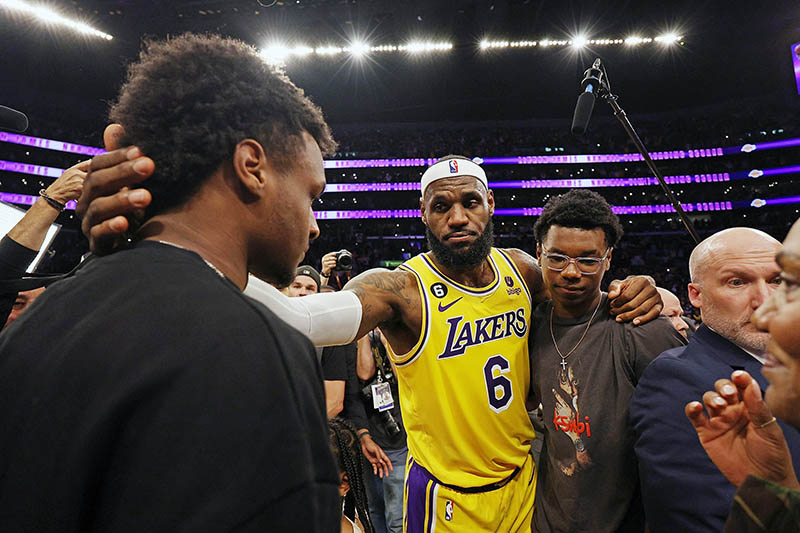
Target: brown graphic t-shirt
<point x="588" y="479"/>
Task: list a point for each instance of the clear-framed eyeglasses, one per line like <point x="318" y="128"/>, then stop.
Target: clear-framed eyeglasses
<point x="585" y="265"/>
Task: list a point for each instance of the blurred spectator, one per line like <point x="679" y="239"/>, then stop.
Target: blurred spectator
<point x="23" y="301"/>
<point x="672" y="310"/>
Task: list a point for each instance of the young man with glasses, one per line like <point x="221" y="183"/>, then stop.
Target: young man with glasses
<point x="585" y="366"/>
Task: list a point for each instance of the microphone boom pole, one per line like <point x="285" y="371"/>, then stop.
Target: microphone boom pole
<point x="603" y="90"/>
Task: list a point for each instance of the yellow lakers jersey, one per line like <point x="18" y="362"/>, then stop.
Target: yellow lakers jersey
<point x="463" y="385"/>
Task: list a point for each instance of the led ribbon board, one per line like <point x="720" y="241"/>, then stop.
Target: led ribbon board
<point x="694" y="153"/>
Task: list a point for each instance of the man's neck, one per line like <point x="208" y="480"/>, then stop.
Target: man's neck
<point x="561" y="310"/>
<point x="216" y="246"/>
<point x="478" y="276"/>
<point x="759" y="356"/>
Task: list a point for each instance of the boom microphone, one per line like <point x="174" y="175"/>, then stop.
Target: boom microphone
<point x="11" y="119"/>
<point x="583" y="112"/>
<point x="592" y="79"/>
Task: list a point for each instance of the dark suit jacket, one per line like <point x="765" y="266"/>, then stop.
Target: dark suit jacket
<point x="681" y="487"/>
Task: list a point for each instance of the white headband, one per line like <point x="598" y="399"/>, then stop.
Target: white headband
<point x="451" y="168"/>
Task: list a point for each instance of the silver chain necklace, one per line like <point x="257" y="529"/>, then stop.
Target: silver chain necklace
<point x="552" y="335"/>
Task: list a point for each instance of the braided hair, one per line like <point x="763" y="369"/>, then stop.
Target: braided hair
<point x="347" y="451"/>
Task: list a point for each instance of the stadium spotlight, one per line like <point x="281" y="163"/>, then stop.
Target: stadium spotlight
<point x="358" y="49"/>
<point x="328" y="50"/>
<point x="416" y="47"/>
<point x="578" y="42"/>
<point x="276" y="53"/>
<point x="634" y="40"/>
<point x="668" y="38"/>
<point x="47" y="15"/>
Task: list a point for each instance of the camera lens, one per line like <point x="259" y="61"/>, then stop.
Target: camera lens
<point x="344" y="260"/>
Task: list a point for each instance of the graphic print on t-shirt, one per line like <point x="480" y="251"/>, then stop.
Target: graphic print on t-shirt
<point x="567" y="417"/>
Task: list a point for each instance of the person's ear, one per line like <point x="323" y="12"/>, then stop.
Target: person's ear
<point x="251" y="168"/>
<point x="422" y="210"/>
<point x="696" y="295"/>
<point x="608" y="260"/>
<point x="490" y="201"/>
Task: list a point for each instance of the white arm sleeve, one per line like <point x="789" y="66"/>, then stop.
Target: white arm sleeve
<point x="328" y="319"/>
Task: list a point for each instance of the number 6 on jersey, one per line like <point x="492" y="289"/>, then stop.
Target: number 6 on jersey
<point x="498" y="386"/>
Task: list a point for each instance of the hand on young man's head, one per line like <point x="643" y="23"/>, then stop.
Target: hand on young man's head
<point x="107" y="200"/>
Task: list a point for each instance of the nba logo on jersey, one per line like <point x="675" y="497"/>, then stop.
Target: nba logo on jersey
<point x="448" y="511"/>
<point x="453" y="166"/>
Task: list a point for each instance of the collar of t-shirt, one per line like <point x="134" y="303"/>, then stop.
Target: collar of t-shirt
<point x="758" y="357"/>
<point x="566" y="321"/>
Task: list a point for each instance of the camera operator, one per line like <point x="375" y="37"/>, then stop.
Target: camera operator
<point x="381" y="402"/>
<point x="340" y="261"/>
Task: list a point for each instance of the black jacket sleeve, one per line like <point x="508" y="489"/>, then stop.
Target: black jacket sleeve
<point x="14" y="259"/>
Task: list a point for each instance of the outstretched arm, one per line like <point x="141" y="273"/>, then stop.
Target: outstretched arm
<point x="740" y="434"/>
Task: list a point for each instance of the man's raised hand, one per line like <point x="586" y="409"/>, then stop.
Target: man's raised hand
<point x="106" y="199"/>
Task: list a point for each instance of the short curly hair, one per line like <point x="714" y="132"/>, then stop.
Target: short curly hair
<point x="189" y="100"/>
<point x="579" y="208"/>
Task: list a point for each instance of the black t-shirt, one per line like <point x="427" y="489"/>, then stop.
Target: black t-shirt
<point x="147" y="393"/>
<point x="588" y="475"/>
<point x="14" y="259"/>
<point x="334" y="362"/>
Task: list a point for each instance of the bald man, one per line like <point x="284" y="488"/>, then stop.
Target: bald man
<point x="673" y="311"/>
<point x="732" y="273"/>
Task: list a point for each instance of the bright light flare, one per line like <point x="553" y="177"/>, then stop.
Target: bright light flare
<point x="49" y="16"/>
<point x="669" y="38"/>
<point x="418" y="47"/>
<point x="635" y="40"/>
<point x="358" y="48"/>
<point x="328" y="50"/>
<point x="578" y="42"/>
<point x="278" y="53"/>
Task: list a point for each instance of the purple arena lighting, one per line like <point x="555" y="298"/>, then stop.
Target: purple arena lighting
<point x="35" y="170"/>
<point x="54" y="172"/>
<point x="694" y="153"/>
<point x="49" y="144"/>
<point x="784" y="200"/>
<point x="579" y="183"/>
<point x="25" y="199"/>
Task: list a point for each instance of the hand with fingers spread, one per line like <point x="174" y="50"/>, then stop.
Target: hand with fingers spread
<point x="740" y="434"/>
<point x="636" y="299"/>
<point x="381" y="465"/>
<point x="107" y="200"/>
